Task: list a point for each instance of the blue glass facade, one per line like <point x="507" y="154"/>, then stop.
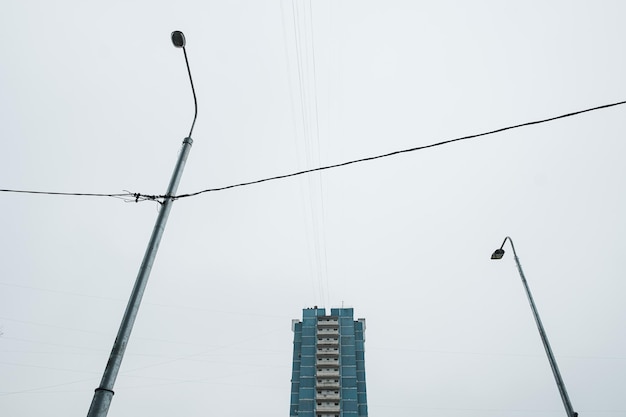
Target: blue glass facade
<point x="328" y="374"/>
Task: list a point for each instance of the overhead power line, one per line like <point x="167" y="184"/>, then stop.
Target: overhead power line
<point x="128" y="196"/>
<point x="59" y="193"/>
<point x="417" y="148"/>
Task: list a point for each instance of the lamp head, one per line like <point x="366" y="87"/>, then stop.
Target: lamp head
<point x="498" y="254"/>
<point x="178" y="39"/>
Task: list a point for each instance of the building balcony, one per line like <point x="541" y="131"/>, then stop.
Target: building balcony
<point x="327" y="366"/>
<point x="327" y="407"/>
<point x="328" y="355"/>
<point x="327" y="362"/>
<point x="328" y="321"/>
<point x="327" y="414"/>
<point x="327" y="372"/>
<point x="328" y="397"/>
<point x="327" y="358"/>
<point x="328" y="342"/>
<point x="328" y="383"/>
<point x="327" y="331"/>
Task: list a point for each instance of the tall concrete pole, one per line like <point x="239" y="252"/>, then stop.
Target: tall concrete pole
<point x="544" y="337"/>
<point x="104" y="393"/>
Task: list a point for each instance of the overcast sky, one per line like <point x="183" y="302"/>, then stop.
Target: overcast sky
<point x="94" y="98"/>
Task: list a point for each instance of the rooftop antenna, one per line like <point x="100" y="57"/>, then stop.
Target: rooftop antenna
<point x="104" y="393"/>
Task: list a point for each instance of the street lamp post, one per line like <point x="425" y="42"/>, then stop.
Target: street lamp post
<point x="498" y="254"/>
<point x="104" y="393"/>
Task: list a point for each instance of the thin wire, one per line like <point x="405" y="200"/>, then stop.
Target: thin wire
<point x="305" y="150"/>
<point x="322" y="220"/>
<point x="301" y="44"/>
<point x="143" y="197"/>
<point x="193" y="90"/>
<point x="417" y="148"/>
<point x="312" y="145"/>
<point x="127" y="196"/>
<point x="44" y="387"/>
<point x="68" y="194"/>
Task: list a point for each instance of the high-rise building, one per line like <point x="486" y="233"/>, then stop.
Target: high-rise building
<point x="328" y="376"/>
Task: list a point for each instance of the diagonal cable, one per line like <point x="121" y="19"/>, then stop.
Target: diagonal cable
<point x="417" y="148"/>
<point x="142" y="197"/>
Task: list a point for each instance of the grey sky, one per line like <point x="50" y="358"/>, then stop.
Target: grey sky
<point x="94" y="98"/>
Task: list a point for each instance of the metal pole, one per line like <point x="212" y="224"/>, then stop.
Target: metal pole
<point x="104" y="393"/>
<point x="544" y="338"/>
